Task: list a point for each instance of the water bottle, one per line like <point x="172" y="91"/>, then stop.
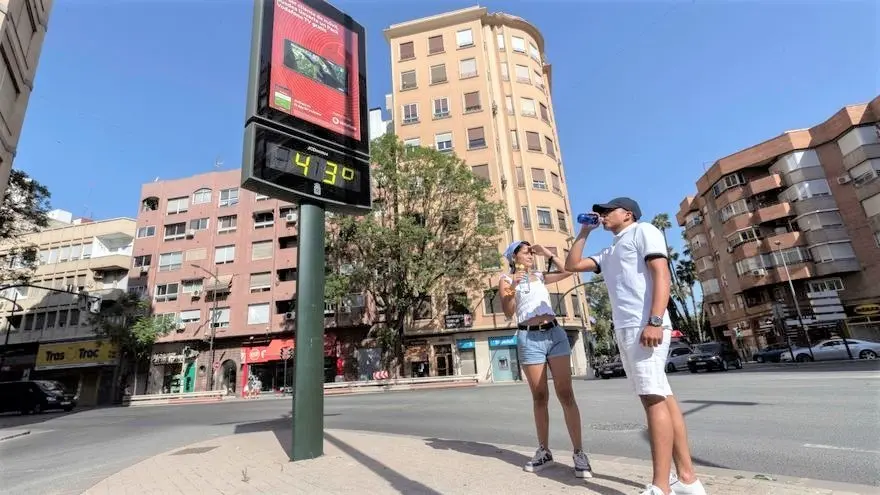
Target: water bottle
<point x="588" y="219"/>
<point x="524" y="286"/>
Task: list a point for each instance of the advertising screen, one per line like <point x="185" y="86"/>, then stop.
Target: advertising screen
<point x="315" y="69"/>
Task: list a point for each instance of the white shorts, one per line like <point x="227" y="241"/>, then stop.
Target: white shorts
<point x="645" y="366"/>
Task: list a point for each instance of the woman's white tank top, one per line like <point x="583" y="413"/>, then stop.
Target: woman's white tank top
<point x="535" y="302"/>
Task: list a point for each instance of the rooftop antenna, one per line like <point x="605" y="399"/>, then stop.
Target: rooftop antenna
<point x="218" y="163"/>
<point x="156" y="179"/>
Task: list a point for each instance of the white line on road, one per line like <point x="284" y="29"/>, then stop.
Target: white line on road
<point x="847" y="449"/>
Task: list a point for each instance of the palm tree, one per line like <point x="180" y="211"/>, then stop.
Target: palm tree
<point x="661" y="221"/>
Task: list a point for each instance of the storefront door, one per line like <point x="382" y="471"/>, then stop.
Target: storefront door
<point x="189" y="377"/>
<point x="443" y="358"/>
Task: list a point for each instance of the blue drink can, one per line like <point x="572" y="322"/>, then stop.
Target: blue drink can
<point x="588" y="219"/>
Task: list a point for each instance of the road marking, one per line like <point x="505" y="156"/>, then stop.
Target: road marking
<point x="846" y="449"/>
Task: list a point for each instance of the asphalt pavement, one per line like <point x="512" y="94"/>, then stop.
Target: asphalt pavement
<point x="816" y="421"/>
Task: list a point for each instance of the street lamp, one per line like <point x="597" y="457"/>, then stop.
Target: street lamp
<point x="797" y="306"/>
<point x="212" y="322"/>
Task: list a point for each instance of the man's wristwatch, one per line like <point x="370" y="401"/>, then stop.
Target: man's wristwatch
<point x="655" y="321"/>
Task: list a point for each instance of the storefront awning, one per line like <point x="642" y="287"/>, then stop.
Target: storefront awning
<point x="221" y="284"/>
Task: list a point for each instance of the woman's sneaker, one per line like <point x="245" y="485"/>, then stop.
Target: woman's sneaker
<point x="542" y="459"/>
<point x="582" y="467"/>
<point x="682" y="488"/>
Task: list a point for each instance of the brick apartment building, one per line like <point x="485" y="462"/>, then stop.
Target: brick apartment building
<point x="478" y="84"/>
<point x="808" y="199"/>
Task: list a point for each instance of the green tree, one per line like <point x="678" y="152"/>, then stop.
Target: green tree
<point x="600" y="310"/>
<point x="130" y="323"/>
<point x="434" y="230"/>
<point x="23" y="211"/>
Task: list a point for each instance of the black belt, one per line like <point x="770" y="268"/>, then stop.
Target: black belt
<point x="544" y="326"/>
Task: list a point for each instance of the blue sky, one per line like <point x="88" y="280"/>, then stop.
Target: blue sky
<point x="646" y="93"/>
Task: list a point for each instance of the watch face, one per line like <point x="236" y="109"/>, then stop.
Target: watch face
<point x="656" y="321"/>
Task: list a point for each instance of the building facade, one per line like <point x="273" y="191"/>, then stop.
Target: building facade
<point x="22" y="26"/>
<point x="50" y="334"/>
<point x="804" y="207"/>
<point x="478" y="85"/>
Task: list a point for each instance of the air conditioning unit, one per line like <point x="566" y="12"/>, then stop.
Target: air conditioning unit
<point x="98" y="275"/>
<point x="844" y="179"/>
<point x="145" y="269"/>
<point x="290" y="315"/>
<point x="181" y="325"/>
<point x="759" y="272"/>
<point x="191" y="233"/>
<point x="729" y="249"/>
<point x="291" y="217"/>
<point x="196" y="293"/>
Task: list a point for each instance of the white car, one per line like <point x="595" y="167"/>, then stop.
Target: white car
<point x="832" y="349"/>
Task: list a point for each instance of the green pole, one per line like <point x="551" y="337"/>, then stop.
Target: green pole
<point x="308" y="391"/>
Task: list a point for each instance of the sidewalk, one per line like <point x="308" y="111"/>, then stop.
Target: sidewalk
<point x="369" y="463"/>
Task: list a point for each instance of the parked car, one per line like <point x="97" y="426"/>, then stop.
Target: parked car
<point x="714" y="356"/>
<point x="770" y="354"/>
<point x="612" y="368"/>
<point x="677" y="359"/>
<point x="35" y="396"/>
<point x="831" y="349"/>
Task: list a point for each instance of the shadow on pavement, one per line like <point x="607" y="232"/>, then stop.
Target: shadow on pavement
<point x="16" y="420"/>
<point x="558" y="472"/>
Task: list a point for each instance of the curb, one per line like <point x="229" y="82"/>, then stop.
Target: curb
<point x="14" y="435"/>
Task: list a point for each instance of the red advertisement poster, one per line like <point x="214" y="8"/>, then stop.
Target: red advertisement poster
<point x="315" y="69"/>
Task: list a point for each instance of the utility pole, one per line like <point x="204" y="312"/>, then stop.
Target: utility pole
<point x="216" y="281"/>
<point x="797" y="306"/>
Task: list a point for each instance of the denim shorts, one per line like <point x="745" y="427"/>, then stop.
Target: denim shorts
<point x="537" y="346"/>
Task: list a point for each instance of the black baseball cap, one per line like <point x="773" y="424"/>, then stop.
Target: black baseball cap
<point x="627" y="204"/>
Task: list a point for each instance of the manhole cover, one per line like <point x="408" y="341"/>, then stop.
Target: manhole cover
<point x="618" y="426"/>
<point x="194" y="450"/>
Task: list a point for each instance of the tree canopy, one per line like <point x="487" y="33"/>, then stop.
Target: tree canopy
<point x="23" y="210"/>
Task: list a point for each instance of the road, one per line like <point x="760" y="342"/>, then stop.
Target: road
<point x="815" y="421"/>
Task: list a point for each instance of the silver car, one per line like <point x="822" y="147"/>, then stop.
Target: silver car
<point x="832" y="349"/>
<point x="677" y="358"/>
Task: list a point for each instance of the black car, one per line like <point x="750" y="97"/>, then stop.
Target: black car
<point x="35" y="396"/>
<point x="714" y="356"/>
<point x="770" y="354"/>
<point x="611" y="368"/>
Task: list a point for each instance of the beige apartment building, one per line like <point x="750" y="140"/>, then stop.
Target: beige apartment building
<point x="479" y="85"/>
<point x="22" y="29"/>
<point x="47" y="334"/>
<point x="803" y="206"/>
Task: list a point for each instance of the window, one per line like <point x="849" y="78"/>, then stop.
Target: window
<point x="412" y="143"/>
<point x="534" y="53"/>
<point x="438" y="74"/>
<point x="533" y="141"/>
<point x="202" y="196"/>
<point x="142" y="261"/>
<point x="227" y="223"/>
<point x="791" y="256"/>
<point x="522" y="74"/>
<point x="539" y="79"/>
<point x="464" y="38"/>
<point x="492" y="302"/>
<point x="476" y="138"/>
<point x="177" y="205"/>
<point x="554" y="181"/>
<point x="190" y="286"/>
<point x="264" y="219"/>
<point x="508" y="104"/>
<point x="734" y="209"/>
<point x="865" y="172"/>
<point x="563" y="224"/>
<point x="481" y="171"/>
<point x="457" y="304"/>
<point x="408" y="80"/>
<point x="559" y="305"/>
<point x="261" y="250"/>
<point x="435" y="44"/>
<point x="727" y="182"/>
<point x="410" y="113"/>
<point x="261" y="281"/>
<point x="441" y="107"/>
<point x="472" y="102"/>
<point x="703" y="264"/>
<point x="859" y="136"/>
<point x="545" y="113"/>
<point x="741" y="237"/>
<point x="518" y="44"/>
<point x="199" y="224"/>
<point x="796" y="160"/>
<point x="520" y="177"/>
<point x="170" y="261"/>
<point x="526" y="220"/>
<point x="424" y="308"/>
<point x="220" y="318"/>
<point x="407" y="50"/>
<point x="500" y="38"/>
<point x="832" y="251"/>
<point x="527" y="106"/>
<point x="825" y="285"/>
<point x="514" y="139"/>
<point x="175" y="231"/>
<point x="467" y="68"/>
<point x="190" y="316"/>
<point x="872" y="205"/>
<point x="224" y="254"/>
<point x="229" y="197"/>
<point x="545" y="218"/>
<point x="443" y="141"/>
<point x="142" y="232"/>
<point x="539" y="180"/>
<point x="711" y="286"/>
<point x="258" y="314"/>
<point x="805" y="190"/>
<point x="505" y="72"/>
<point x="818" y="220"/>
<point x="166" y="292"/>
<point x="748" y="265"/>
<point x="550" y="147"/>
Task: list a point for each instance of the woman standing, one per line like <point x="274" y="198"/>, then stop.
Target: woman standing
<point x="542" y="342"/>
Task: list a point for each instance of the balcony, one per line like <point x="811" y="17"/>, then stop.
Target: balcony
<point x="731" y="195"/>
<point x="860" y="154"/>
<point x="773" y="212"/>
<point x="353" y="317"/>
<point x="776" y="275"/>
<point x="701" y="251"/>
<point x="764" y="184"/>
<point x="838" y="266"/>
<point x="814" y="204"/>
<point x="110" y="262"/>
<point x="786" y="241"/>
<point x="827" y="234"/>
<point x="737" y="223"/>
<point x="868" y="188"/>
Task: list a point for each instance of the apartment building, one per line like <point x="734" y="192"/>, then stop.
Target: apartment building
<point x="50" y="335"/>
<point x="803" y="206"/>
<point x="23" y="26"/>
<point x="478" y="85"/>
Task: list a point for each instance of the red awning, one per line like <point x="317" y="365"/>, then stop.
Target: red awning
<point x="265" y="353"/>
<point x="677" y="334"/>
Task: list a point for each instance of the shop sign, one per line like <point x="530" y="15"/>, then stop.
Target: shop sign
<point x="464" y="344"/>
<point x="76" y="354"/>
<point x="505" y="341"/>
<point x="168" y="358"/>
<point x="866" y="309"/>
<point x="459" y="321"/>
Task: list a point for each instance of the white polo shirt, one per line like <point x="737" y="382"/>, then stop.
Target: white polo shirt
<point x="630" y="285"/>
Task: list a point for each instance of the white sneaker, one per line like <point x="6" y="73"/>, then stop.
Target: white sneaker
<point x="653" y="490"/>
<point x="541" y="459"/>
<point x="682" y="488"/>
